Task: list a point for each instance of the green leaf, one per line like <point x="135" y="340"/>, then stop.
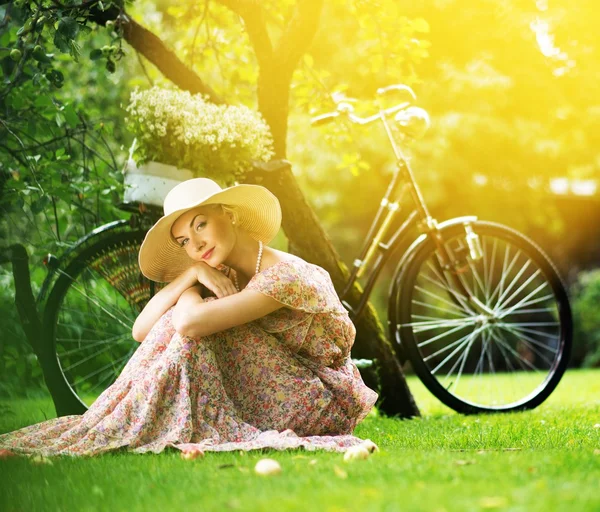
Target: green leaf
<point x="43" y="101"/>
<point x="75" y="50"/>
<point x="60" y="119"/>
<point x="420" y="25"/>
<point x="71" y="116"/>
<point x="39" y="204"/>
<point x="96" y="54"/>
<point x="68" y="27"/>
<point x="61" y="42"/>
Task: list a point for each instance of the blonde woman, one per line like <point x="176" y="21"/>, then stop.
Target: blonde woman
<point x="263" y="362"/>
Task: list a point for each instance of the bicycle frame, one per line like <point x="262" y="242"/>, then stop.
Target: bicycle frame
<point x="376" y="252"/>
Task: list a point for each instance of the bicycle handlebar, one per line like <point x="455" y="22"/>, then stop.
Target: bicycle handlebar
<point x="397" y="87"/>
<point x="330" y="116"/>
<point x="344" y="108"/>
<point x="324" y="118"/>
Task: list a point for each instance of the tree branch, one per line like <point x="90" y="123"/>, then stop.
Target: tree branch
<point x="298" y="34"/>
<point x="155" y="50"/>
<point x="252" y="13"/>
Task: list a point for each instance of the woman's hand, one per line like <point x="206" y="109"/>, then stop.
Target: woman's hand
<point x="214" y="280"/>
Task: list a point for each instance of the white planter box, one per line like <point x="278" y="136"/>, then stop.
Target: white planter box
<point x="150" y="183"/>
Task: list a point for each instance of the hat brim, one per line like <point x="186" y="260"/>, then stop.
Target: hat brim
<point x="162" y="259"/>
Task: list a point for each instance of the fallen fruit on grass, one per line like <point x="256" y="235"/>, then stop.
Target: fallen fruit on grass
<point x="267" y="467"/>
<point x="5" y="454"/>
<point x="192" y="454"/>
<point x="359" y="452"/>
<point x="370" y="446"/>
<point x="461" y="462"/>
<point x="339" y="472"/>
<point x="40" y="459"/>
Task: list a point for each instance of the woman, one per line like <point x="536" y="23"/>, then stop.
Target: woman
<point x="264" y="363"/>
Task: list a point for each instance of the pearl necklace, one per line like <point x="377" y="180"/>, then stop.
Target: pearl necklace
<point x="258" y="260"/>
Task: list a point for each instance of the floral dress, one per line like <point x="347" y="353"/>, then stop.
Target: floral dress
<point x="285" y="380"/>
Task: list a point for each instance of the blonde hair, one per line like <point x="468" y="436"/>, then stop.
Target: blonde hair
<point x="227" y="209"/>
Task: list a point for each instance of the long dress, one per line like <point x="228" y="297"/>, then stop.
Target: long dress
<point x="283" y="381"/>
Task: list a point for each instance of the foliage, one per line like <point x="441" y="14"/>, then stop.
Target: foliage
<point x="60" y="159"/>
<point x="185" y="130"/>
<point x="585" y="300"/>
<point x="511" y="88"/>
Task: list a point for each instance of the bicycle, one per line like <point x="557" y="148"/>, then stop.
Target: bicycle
<point x="478" y="309"/>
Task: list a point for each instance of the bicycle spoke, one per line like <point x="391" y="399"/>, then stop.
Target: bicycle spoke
<point x="112" y="312"/>
<point x="490" y="270"/>
<point x="529" y="303"/>
<point x="446" y="347"/>
<point x="523" y="301"/>
<point x="518" y="357"/>
<point x="79" y="327"/>
<point x="434" y="307"/>
<point x="538" y="343"/>
<point x="106" y="310"/>
<point x="474" y="333"/>
<point x="440" y="336"/>
<point x="479" y="365"/>
<point x="87" y="346"/>
<point x="451" y="292"/>
<point x="436" y="324"/>
<point x="114" y="374"/>
<point x="540" y="333"/>
<point x="505" y="272"/>
<point x="531" y="278"/>
<point x="523" y="339"/>
<point x="436" y="318"/>
<point x="535" y="310"/>
<point x="96" y="372"/>
<point x="81" y="361"/>
<point x="476" y="276"/>
<point x="437" y="297"/>
<point x="512" y="283"/>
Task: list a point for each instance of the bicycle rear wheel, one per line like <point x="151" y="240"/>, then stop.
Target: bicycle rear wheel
<point x="90" y="314"/>
<point x="508" y="355"/>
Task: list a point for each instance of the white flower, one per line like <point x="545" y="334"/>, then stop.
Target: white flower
<point x="184" y="130"/>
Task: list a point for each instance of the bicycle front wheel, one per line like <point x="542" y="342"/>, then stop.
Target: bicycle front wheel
<point x="90" y="314"/>
<point x="504" y="351"/>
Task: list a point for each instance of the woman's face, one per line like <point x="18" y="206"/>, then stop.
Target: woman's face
<point x="205" y="233"/>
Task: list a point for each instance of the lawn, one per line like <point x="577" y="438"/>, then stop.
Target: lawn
<point x="540" y="460"/>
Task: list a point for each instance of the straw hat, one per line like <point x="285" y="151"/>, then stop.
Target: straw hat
<point x="162" y="259"/>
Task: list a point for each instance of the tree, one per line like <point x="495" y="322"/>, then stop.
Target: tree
<point x="276" y="65"/>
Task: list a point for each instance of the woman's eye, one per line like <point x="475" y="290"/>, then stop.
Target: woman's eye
<point x="201" y="225"/>
<point x="183" y="242"/>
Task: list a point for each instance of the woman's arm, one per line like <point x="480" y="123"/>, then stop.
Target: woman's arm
<point x="161" y="302"/>
<point x="194" y="317"/>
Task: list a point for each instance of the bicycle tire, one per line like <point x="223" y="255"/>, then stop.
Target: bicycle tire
<point x="90" y="334"/>
<point x="530" y="319"/>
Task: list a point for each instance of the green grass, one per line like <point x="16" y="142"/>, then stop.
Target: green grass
<point x="545" y="459"/>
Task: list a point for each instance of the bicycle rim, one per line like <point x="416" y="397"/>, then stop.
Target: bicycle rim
<point x="508" y="356"/>
<point x="91" y="311"/>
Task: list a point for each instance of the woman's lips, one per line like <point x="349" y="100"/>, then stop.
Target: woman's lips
<point x="208" y="254"/>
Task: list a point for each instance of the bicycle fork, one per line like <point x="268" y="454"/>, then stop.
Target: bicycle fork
<point x="450" y="269"/>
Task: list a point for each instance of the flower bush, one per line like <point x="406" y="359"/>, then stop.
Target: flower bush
<point x="177" y="128"/>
